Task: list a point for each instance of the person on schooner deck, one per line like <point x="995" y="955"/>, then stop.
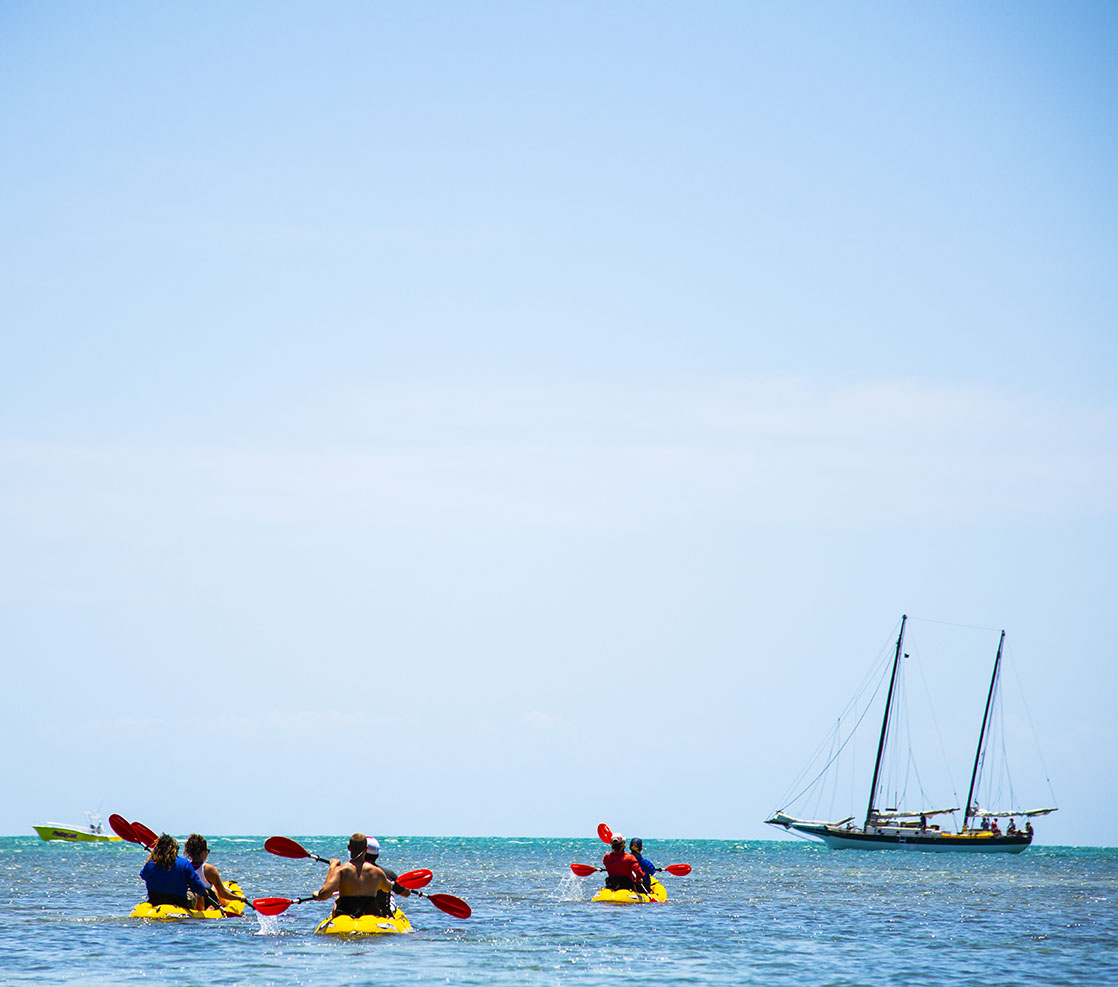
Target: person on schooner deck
<point x="1029" y="828"/>
<point x="995" y="828"/>
<point x="1011" y="829"/>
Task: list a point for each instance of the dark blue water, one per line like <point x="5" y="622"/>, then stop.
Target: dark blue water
<point x="759" y="912"/>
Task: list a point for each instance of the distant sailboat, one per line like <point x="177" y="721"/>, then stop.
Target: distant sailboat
<point x="909" y="830"/>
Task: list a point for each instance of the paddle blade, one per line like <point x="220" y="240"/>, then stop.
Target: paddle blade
<point x="281" y="846"/>
<point x="450" y="904"/>
<point x="145" y="835"/>
<point x="680" y="869"/>
<point x="123" y="828"/>
<point x="272" y="906"/>
<point x="583" y="870"/>
<point x="413" y="880"/>
<point x="605" y="834"/>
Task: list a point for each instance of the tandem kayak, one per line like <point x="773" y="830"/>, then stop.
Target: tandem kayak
<point x="145" y="909"/>
<point x="632" y="897"/>
<point x="366" y="925"/>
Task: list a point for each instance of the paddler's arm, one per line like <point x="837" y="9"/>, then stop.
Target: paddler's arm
<point x="192" y="882"/>
<point x="223" y="893"/>
<point x="396" y="888"/>
<point x="638" y="872"/>
<point x="332" y="883"/>
<point x="389" y="884"/>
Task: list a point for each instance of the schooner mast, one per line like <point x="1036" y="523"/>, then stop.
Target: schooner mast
<point x="969" y="813"/>
<point x="885" y="724"/>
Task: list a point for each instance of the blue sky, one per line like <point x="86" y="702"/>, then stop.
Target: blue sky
<point x="547" y="409"/>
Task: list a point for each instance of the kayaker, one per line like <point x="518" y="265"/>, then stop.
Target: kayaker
<point x="170" y="878"/>
<point x="623" y="873"/>
<point x="385" y="902"/>
<point x="636" y="847"/>
<point x="197" y="851"/>
<point x="357" y="882"/>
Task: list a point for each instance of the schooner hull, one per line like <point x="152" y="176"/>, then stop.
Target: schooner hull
<point x="926" y="843"/>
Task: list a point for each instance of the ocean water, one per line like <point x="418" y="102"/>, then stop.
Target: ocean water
<point x="773" y="913"/>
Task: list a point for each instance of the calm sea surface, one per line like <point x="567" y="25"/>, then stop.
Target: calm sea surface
<point x="754" y="912"/>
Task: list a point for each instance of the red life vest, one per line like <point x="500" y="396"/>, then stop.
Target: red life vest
<point x="621" y="864"/>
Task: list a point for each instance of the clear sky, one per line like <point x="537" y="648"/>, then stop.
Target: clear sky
<point x="445" y="418"/>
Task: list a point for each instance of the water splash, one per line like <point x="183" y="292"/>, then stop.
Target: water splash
<point x="570" y="889"/>
<point x="269" y="925"/>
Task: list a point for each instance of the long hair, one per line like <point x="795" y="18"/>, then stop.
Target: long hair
<point x="195" y="847"/>
<point x="165" y="851"/>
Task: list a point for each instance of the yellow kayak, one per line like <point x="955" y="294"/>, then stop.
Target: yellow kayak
<point x="366" y="925"/>
<point x="145" y="909"/>
<point x="632" y="897"/>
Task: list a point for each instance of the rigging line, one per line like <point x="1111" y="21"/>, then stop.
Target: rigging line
<point x="1036" y="739"/>
<point x="808" y="787"/>
<point x="805" y="770"/>
<point x="875" y="670"/>
<point x="884" y="659"/>
<point x="948" y="623"/>
<point x="822" y="788"/>
<point x="939" y="734"/>
<point x="919" y="781"/>
<point x="1005" y="755"/>
<point x="834" y="783"/>
<point x="817" y="753"/>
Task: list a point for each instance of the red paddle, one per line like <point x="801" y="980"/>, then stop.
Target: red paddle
<point x="605" y="834"/>
<point x="132" y="832"/>
<point x="413" y="880"/>
<point x="123" y="828"/>
<point x="281" y="846"/>
<point x="147" y="837"/>
<point x="276" y="906"/>
<point x="585" y="870"/>
<point x="447" y="903"/>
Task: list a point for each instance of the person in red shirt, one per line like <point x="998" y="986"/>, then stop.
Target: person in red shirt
<point x="623" y="870"/>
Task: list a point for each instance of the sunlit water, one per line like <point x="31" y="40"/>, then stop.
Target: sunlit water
<point x="750" y="913"/>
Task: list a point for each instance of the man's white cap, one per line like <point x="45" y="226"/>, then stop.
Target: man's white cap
<point x="373" y="847"/>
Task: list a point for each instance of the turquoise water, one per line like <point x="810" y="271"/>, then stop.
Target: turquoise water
<point x="750" y="913"/>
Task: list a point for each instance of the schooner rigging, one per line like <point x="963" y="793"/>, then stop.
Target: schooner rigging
<point x="887" y="829"/>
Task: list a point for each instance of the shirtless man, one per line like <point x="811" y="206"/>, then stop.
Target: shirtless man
<point x="357" y="882"/>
